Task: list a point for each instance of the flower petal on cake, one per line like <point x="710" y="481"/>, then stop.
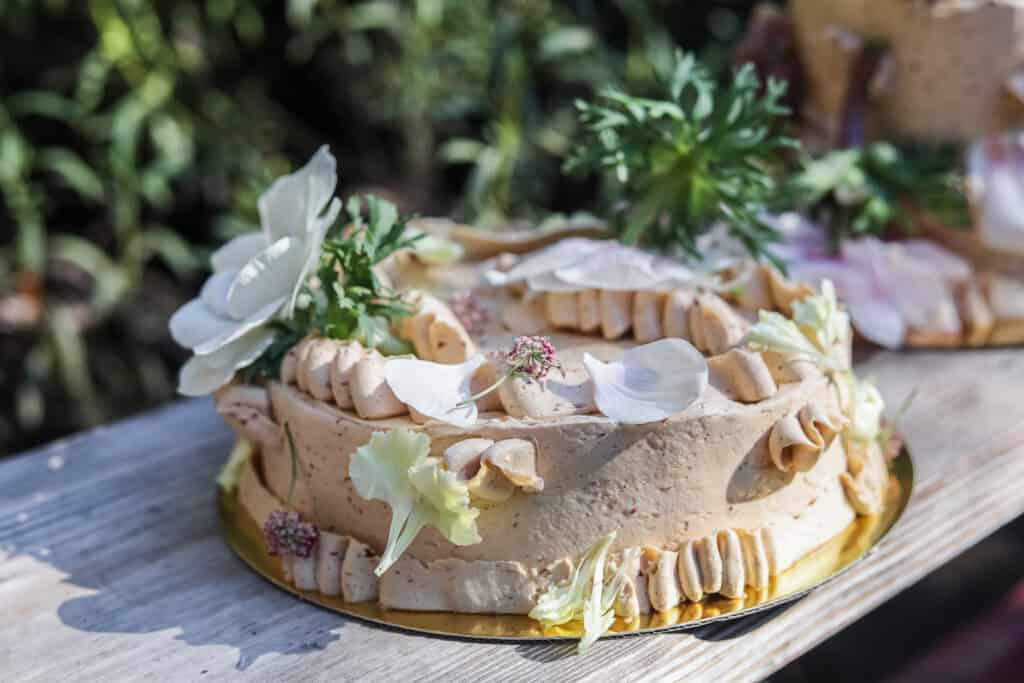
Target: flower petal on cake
<point x="436" y="390"/>
<point x="775" y="332"/>
<point x="650" y="383"/>
<point x="290" y="204"/>
<point x="865" y="408"/>
<point x="448" y="499"/>
<point x="820" y="313"/>
<point x="205" y="373"/>
<point x="938" y="259"/>
<point x="237" y="252"/>
<point x="995" y="184"/>
<point x="270" y="275"/>
<point x="546" y="260"/>
<point x="214" y="293"/>
<point x="623" y="268"/>
<point x="878" y="321"/>
<point x="585" y="596"/>
<point x="380" y="471"/>
<point x="194" y="324"/>
<point x="394" y="467"/>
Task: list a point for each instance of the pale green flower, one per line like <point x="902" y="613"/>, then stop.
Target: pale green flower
<point x="585" y="596"/>
<point x="817" y="326"/>
<point x="395" y="467"/>
<point x="775" y="332"/>
<point x="434" y="249"/>
<point x="820" y="313"/>
<point x="865" y="409"/>
<point x="227" y="480"/>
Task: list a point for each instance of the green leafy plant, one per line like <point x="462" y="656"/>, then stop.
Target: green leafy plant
<point x="346" y="300"/>
<point x="868" y="190"/>
<point x="697" y="154"/>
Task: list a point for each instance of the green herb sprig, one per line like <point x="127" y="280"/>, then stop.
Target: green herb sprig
<point x="699" y="154"/>
<point x="346" y="300"/>
<point x="867" y="190"/>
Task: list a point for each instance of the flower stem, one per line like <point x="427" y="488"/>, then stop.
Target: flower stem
<point x="481" y="394"/>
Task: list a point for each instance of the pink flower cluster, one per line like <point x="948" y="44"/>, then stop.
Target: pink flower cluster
<point x="469" y="310"/>
<point x="287" y="534"/>
<point x="532" y="356"/>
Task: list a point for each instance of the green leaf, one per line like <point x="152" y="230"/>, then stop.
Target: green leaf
<point x="73" y="171"/>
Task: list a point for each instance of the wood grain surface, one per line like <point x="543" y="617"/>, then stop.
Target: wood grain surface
<point x="112" y="567"/>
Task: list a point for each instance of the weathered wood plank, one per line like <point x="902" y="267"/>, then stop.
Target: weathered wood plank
<point x="111" y="565"/>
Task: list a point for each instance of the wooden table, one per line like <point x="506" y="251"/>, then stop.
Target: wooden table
<point x="112" y="566"/>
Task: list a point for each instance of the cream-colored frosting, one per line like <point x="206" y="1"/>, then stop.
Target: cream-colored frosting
<point x="661" y="485"/>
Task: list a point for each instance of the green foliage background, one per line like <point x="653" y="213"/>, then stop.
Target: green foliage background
<point x="136" y="135"/>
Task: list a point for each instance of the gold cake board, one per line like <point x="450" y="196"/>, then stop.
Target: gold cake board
<point x="854" y="544"/>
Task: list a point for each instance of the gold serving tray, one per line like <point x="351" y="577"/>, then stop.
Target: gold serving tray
<point x="854" y="544"/>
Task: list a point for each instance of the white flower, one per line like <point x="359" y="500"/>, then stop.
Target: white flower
<point x="257" y="277"/>
<point x="436" y="390"/>
<point x="650" y="383"/>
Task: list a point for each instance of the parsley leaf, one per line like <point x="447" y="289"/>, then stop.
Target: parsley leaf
<point x="346" y="300"/>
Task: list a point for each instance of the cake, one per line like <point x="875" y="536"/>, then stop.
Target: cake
<point x="952" y="70"/>
<point x="919" y="74"/>
<point x="581" y="430"/>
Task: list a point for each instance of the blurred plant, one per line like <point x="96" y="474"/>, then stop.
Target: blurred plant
<point x="107" y="140"/>
<point x="483" y="85"/>
<point x="696" y="154"/>
<point x="868" y="190"/>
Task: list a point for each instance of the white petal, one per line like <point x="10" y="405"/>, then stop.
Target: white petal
<point x="878" y="321"/>
<point x="944" y="262"/>
<point x="241" y="327"/>
<point x="852" y="283"/>
<point x="291" y="204"/>
<point x="269" y="276"/>
<point x="214" y="293"/>
<point x="547" y="260"/>
<point x="623" y="268"/>
<point x="312" y="244"/>
<point x="435" y="389"/>
<point x="237" y="252"/>
<point x="577" y="263"/>
<point x="650" y="382"/>
<point x="194" y="324"/>
<point x="204" y="374"/>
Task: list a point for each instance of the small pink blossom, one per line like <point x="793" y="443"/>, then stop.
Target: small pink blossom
<point x="532" y="356"/>
<point x="287" y="534"/>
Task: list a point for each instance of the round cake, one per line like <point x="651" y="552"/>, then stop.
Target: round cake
<point x="537" y="423"/>
<point x="669" y="427"/>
